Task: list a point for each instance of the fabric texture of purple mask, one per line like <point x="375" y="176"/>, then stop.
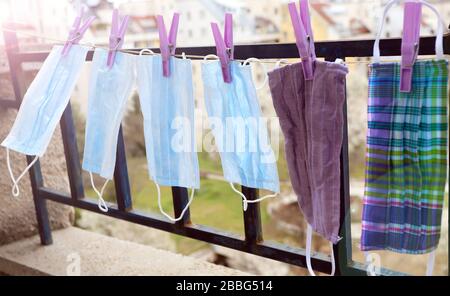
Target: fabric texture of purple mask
<point x="311" y="118"/>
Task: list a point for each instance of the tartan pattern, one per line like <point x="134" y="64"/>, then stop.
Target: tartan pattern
<point x="406" y="158"/>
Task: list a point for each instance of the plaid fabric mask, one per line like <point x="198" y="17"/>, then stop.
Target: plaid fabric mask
<point x="406" y="158"/>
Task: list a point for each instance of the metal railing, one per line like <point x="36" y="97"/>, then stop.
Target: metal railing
<point x="253" y="241"/>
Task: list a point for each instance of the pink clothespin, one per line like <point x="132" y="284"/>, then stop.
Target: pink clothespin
<point x="77" y="31"/>
<point x="167" y="44"/>
<point x="303" y="36"/>
<point x="117" y="36"/>
<point x="224" y="46"/>
<point x="410" y="43"/>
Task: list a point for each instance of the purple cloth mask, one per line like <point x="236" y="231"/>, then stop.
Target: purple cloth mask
<point x="311" y="118"/>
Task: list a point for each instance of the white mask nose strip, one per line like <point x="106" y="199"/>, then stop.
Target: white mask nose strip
<point x="101" y="202"/>
<point x="245" y="201"/>
<point x="15" y="187"/>
<point x="191" y="198"/>
<point x="308" y="253"/>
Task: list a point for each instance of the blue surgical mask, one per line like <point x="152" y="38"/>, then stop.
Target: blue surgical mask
<point x="43" y="105"/>
<point x="238" y="128"/>
<point x="109" y="90"/>
<point x="167" y="105"/>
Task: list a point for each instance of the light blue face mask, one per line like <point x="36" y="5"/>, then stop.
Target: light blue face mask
<point x="167" y="105"/>
<point x="43" y="105"/>
<point x="238" y="128"/>
<point x="109" y="90"/>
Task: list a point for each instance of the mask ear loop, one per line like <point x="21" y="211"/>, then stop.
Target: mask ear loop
<point x="191" y="198"/>
<point x="146" y="50"/>
<point x="366" y="260"/>
<point x="207" y="58"/>
<point x="430" y="263"/>
<point x="15" y="188"/>
<point x="245" y="201"/>
<point x="101" y="202"/>
<point x="266" y="79"/>
<point x="278" y="63"/>
<point x="308" y="253"/>
<point x="91" y="45"/>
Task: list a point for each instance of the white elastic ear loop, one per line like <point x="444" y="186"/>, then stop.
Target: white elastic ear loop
<point x="183" y="55"/>
<point x="15" y="188"/>
<point x="245" y="201"/>
<point x="308" y="253"/>
<point x="91" y="45"/>
<point x="278" y="63"/>
<point x="191" y="198"/>
<point x="439" y="47"/>
<point x="430" y="263"/>
<point x="146" y="50"/>
<point x="101" y="202"/>
<point x="439" y="34"/>
<point x="376" y="45"/>
<point x="210" y="56"/>
<point x="266" y="79"/>
<point x="366" y="261"/>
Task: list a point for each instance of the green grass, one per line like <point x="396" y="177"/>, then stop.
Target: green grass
<point x="209" y="162"/>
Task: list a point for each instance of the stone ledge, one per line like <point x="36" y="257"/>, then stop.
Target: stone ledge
<point x="98" y="255"/>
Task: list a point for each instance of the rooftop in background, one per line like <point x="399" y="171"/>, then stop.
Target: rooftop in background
<point x="256" y="21"/>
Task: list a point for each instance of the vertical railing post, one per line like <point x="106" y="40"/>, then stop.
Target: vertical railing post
<point x="121" y="181"/>
<point x="343" y="249"/>
<point x="15" y="66"/>
<point x="40" y="204"/>
<point x="180" y="200"/>
<point x="69" y="137"/>
<point x="252" y="217"/>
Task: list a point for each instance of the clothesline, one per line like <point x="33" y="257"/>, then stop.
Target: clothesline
<point x="59" y="41"/>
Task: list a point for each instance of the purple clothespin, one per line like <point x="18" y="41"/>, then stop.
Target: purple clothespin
<point x="167" y="44"/>
<point x="76" y="32"/>
<point x="224" y="46"/>
<point x="410" y="43"/>
<point x="303" y="36"/>
<point x="117" y="36"/>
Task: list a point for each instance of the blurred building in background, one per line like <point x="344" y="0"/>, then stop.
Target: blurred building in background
<point x="255" y="21"/>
